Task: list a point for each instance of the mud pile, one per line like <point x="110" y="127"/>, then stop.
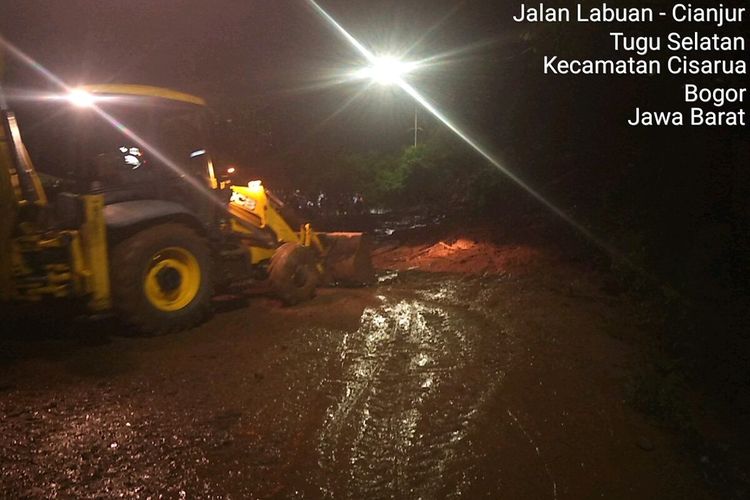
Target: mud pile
<point x="461" y="255"/>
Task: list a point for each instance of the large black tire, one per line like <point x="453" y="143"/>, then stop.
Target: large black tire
<point x="161" y="279"/>
<point x="293" y="274"/>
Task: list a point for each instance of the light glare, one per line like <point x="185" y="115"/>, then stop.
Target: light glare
<point x="80" y="98"/>
<point x="385" y="70"/>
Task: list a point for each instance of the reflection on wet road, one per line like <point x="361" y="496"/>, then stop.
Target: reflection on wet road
<point x="415" y="376"/>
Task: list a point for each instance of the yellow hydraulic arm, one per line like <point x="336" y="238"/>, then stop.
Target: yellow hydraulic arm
<point x="8" y="205"/>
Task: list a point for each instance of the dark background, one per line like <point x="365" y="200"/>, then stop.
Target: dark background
<point x="674" y="201"/>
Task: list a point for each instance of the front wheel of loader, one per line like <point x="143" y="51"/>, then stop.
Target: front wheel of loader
<point x="293" y="274"/>
<point x="161" y="279"/>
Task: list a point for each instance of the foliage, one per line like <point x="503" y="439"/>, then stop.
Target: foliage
<point x="434" y="174"/>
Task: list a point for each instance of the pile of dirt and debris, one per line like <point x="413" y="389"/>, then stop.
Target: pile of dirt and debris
<point x="466" y="244"/>
<point x="460" y="255"/>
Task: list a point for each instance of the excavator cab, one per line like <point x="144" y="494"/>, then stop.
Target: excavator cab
<point x="127" y="147"/>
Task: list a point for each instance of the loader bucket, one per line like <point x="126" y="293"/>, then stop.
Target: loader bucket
<point x="348" y="259"/>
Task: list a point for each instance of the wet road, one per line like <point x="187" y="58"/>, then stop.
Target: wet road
<point x="415" y="377"/>
<point x="426" y="386"/>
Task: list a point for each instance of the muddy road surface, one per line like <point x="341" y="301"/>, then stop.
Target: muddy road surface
<point x="423" y="386"/>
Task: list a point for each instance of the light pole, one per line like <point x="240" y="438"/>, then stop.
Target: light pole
<point x="416" y="125"/>
<point x="416" y="128"/>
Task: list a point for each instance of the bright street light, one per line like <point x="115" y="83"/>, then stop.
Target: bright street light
<point x="386" y="70"/>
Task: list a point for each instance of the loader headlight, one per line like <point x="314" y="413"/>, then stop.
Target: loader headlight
<point x="243" y="201"/>
<point x="81" y="98"/>
<point x="255" y="187"/>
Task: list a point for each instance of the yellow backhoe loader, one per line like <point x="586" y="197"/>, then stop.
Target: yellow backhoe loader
<point x="136" y="221"/>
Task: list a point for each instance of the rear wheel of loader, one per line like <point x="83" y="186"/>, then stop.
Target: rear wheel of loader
<point x="293" y="274"/>
<point x="161" y="279"/>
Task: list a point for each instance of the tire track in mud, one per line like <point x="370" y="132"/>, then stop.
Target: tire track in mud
<point x="415" y="377"/>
